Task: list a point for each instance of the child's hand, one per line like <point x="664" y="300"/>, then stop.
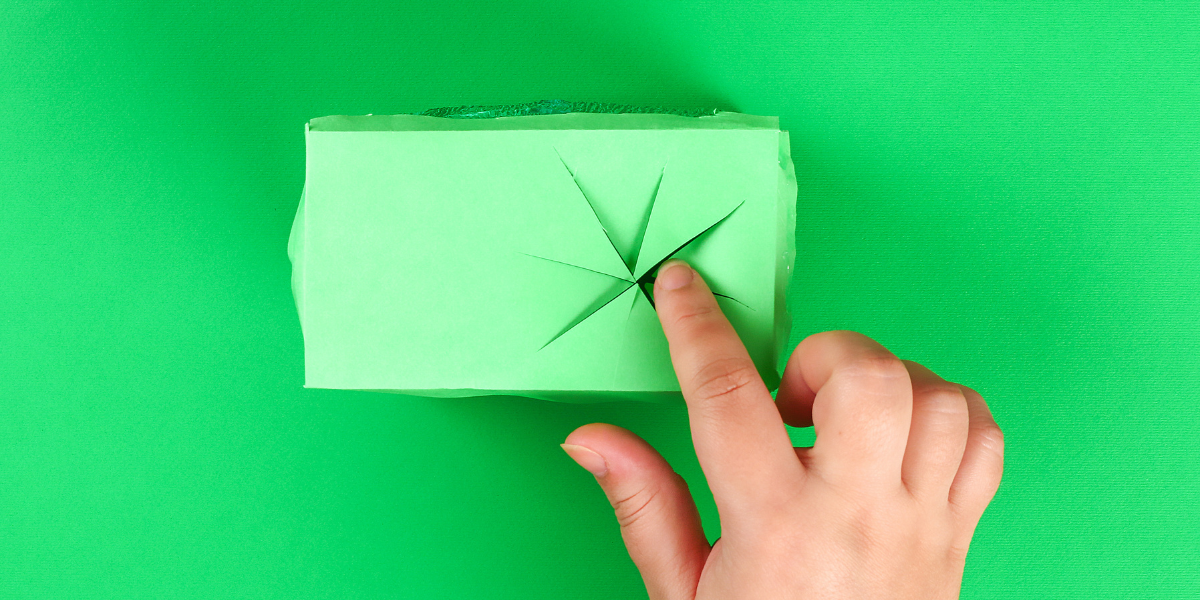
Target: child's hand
<point x="882" y="506"/>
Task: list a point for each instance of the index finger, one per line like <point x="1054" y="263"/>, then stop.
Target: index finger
<point x="741" y="442"/>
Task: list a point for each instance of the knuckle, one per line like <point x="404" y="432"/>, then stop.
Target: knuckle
<point x="815" y="338"/>
<point x="946" y="400"/>
<point x="630" y="509"/>
<point x="692" y="315"/>
<point x="991" y="438"/>
<point x="875" y="367"/>
<point x="968" y="391"/>
<point x="724" y="378"/>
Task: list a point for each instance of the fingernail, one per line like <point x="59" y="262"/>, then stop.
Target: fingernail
<point x="587" y="458"/>
<point x="673" y="275"/>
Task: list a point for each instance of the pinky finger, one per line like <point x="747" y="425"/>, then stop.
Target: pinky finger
<point x="982" y="464"/>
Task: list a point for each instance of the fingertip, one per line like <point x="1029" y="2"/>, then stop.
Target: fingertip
<point x="592" y="434"/>
<point x="673" y="275"/>
<point x="587" y="458"/>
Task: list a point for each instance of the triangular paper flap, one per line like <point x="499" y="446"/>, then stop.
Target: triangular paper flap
<point x="598" y="303"/>
<point x="645" y="361"/>
<point x="686" y="206"/>
<point x="577" y="236"/>
<point x="620" y="182"/>
<point x="570" y="362"/>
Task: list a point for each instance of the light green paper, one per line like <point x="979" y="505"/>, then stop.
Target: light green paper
<point x="456" y="257"/>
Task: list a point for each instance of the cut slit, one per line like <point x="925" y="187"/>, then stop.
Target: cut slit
<point x="576" y="266"/>
<point x="641" y="234"/>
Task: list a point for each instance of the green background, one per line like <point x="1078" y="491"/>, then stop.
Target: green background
<point x="1009" y="194"/>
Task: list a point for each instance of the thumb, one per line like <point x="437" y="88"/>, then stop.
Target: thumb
<point x="658" y="518"/>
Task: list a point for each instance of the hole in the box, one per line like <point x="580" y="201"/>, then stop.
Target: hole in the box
<point x="645" y="283"/>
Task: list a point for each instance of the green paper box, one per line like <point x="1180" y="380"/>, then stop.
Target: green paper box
<point x="515" y="255"/>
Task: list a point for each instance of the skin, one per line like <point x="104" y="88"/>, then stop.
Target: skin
<point x="883" y="505"/>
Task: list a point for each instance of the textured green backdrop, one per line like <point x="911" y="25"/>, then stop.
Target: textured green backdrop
<point x="1008" y="194"/>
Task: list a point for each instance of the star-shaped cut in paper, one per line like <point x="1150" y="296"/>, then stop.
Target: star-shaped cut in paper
<point x="644" y="282"/>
